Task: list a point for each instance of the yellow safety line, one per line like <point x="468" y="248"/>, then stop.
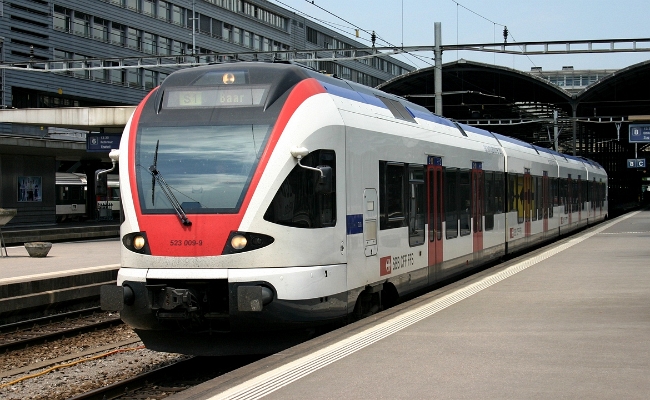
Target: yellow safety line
<point x="70" y="365"/>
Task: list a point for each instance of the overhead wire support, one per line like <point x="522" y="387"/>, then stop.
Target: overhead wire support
<point x="176" y="61"/>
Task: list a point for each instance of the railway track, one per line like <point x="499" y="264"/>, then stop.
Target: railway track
<point x="44" y="329"/>
<point x="168" y="380"/>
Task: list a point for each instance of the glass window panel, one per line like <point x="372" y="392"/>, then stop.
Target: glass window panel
<point x="208" y="167"/>
<point x="451" y="203"/>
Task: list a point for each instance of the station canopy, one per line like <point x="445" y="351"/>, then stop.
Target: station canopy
<point x="521" y="104"/>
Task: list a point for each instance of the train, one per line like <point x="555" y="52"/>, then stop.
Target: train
<point x="262" y="200"/>
<point x="71" y="192"/>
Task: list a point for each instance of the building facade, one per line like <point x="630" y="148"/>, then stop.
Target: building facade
<point x="106" y="33"/>
<point x="113" y="52"/>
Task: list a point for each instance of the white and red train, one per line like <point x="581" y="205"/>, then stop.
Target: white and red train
<point x="263" y="198"/>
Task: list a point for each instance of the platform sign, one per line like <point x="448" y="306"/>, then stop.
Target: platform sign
<point x="639" y="133"/>
<point x="636" y="163"/>
<point x="102" y="143"/>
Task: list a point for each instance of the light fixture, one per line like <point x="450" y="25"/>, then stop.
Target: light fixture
<point x="238" y="242"/>
<point x="138" y="242"/>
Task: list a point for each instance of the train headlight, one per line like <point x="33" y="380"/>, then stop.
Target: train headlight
<point x="238" y="242"/>
<point x="138" y="242"/>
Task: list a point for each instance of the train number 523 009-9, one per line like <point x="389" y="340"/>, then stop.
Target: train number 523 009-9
<point x="176" y="242"/>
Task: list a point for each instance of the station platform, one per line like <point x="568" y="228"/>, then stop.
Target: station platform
<point x="570" y="320"/>
<point x="63" y="231"/>
<point x="70" y="276"/>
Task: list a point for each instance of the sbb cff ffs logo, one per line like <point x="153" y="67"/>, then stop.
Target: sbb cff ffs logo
<point x="385" y="265"/>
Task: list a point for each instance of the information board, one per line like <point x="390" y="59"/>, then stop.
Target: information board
<point x="96" y="142"/>
<point x="639" y="133"/>
<point x="636" y="163"/>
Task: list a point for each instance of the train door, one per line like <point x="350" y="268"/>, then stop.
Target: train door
<point x="528" y="206"/>
<point x="477" y="205"/>
<point x="545" y="200"/>
<point x="435" y="209"/>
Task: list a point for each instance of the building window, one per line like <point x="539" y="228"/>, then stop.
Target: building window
<point x="149" y="79"/>
<point x="177" y="15"/>
<point x="133" y="77"/>
<point x="100" y="29"/>
<point x="312" y="35"/>
<point x="61" y="19"/>
<point x="236" y="35"/>
<point x="149" y="7"/>
<point x="81" y="24"/>
<point x="205" y="24"/>
<point x="226" y="33"/>
<point x="133" y="5"/>
<point x="247" y="41"/>
<point x="133" y="38"/>
<point x="118" y="34"/>
<point x="164" y="46"/>
<point x="164" y="10"/>
<point x="148" y="43"/>
<point x="177" y="48"/>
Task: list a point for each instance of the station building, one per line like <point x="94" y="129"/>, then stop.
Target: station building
<point x="132" y="41"/>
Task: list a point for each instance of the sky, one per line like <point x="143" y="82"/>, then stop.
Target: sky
<point x="411" y="22"/>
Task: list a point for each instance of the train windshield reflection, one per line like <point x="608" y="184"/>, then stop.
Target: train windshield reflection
<point x="208" y="168"/>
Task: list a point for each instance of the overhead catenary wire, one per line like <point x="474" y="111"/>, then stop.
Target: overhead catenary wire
<point x="351" y="24"/>
<point x="506" y="32"/>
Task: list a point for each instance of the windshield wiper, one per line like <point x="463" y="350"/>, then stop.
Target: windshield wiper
<point x="166" y="189"/>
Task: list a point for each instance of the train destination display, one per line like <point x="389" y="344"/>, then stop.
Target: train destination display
<point x="215" y="97"/>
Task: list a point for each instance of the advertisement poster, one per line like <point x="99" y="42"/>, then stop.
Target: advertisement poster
<point x="29" y="188"/>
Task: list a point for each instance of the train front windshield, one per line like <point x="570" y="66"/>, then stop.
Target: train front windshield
<point x="207" y="169"/>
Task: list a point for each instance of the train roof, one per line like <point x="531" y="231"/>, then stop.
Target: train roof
<point x="284" y="75"/>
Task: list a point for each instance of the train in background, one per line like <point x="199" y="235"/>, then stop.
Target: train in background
<point x="71" y="192"/>
<point x="267" y="198"/>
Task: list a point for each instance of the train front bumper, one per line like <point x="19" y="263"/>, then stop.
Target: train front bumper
<point x="233" y="300"/>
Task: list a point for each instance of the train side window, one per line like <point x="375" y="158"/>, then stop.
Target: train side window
<point x="297" y="203"/>
<point x="538" y="205"/>
<point x="451" y="203"/>
<point x="512" y="192"/>
<point x="518" y="196"/>
<point x="491" y="199"/>
<point x="499" y="192"/>
<point x="392" y="195"/>
<point x="564" y="188"/>
<point x="417" y="205"/>
<point x="465" y="202"/>
<point x="552" y="195"/>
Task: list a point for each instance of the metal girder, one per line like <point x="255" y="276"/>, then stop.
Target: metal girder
<point x="318" y="55"/>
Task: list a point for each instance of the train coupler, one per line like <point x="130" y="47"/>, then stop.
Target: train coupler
<point x="181" y="301"/>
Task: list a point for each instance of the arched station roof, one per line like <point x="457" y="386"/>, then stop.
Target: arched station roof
<point x="492" y="94"/>
<point x="521" y="104"/>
